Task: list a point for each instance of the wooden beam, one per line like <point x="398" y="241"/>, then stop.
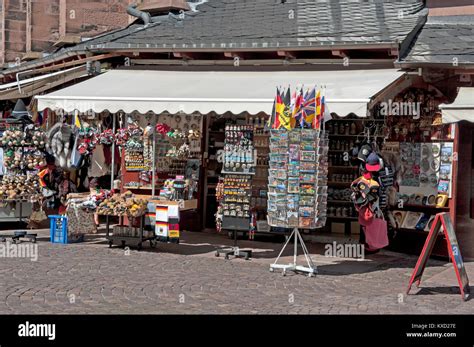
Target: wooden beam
<point x="76" y="62"/>
<point x="261" y="62"/>
<point x="468" y="71"/>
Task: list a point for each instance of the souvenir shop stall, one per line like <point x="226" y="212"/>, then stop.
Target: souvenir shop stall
<point x="155" y="180"/>
<point x="22" y="152"/>
<point x="391" y="173"/>
<point x="161" y="170"/>
<point x="423" y="152"/>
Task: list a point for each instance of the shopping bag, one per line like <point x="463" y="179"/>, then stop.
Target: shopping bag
<point x="376" y="234"/>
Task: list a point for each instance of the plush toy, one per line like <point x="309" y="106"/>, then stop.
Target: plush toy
<point x="59" y="144"/>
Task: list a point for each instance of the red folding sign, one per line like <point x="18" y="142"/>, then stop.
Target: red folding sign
<point x="442" y="219"/>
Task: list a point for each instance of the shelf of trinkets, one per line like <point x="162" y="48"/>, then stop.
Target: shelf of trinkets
<point x="239" y="150"/>
<point x="236" y="196"/>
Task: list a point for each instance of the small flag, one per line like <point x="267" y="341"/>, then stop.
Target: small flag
<point x="309" y="106"/>
<point x="271" y="120"/>
<point x="77" y="121"/>
<point x="317" y="116"/>
<point x="279" y="108"/>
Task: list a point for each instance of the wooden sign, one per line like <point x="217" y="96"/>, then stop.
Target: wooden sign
<point x="442" y="219"/>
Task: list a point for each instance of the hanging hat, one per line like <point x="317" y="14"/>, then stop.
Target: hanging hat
<point x="364" y="152"/>
<point x="373" y="162"/>
<point x="20" y="113"/>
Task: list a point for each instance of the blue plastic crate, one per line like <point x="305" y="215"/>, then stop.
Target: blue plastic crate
<point x="58" y="229"/>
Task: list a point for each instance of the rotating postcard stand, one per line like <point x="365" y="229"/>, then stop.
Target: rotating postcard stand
<point x="297" y="189"/>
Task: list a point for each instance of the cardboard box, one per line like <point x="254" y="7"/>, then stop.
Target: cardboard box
<point x="161" y="230"/>
<point x="338" y="228"/>
<point x="174" y="234"/>
<point x="183" y="204"/>
<point x="173" y="226"/>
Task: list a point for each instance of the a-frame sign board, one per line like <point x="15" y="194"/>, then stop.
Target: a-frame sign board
<point x="442" y="219"/>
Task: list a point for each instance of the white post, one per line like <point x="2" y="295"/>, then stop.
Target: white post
<point x="113" y="155"/>
<point x="153" y="159"/>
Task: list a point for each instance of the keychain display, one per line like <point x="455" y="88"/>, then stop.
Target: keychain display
<point x="239" y="151"/>
<point x="237" y="194"/>
<point x="134" y="150"/>
<point x="239" y="168"/>
<point x="297" y="182"/>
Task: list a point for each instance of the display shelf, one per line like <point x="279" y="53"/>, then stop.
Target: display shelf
<point x="357" y="135"/>
<point x="339" y="184"/>
<point x="341" y="217"/>
<point x="343" y="167"/>
<point x="340" y="202"/>
<point x="419" y="207"/>
<point x="238" y="173"/>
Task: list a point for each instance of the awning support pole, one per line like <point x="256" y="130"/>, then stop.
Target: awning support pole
<point x="112" y="178"/>
<point x="153" y="158"/>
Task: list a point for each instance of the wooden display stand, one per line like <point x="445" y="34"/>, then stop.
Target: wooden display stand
<point x="128" y="240"/>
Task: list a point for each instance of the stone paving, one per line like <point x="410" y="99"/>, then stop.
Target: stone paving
<point x="188" y="279"/>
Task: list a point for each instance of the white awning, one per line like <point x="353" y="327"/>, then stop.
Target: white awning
<point x="145" y="91"/>
<point x="461" y="109"/>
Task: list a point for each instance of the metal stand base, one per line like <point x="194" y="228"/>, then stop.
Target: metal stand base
<point x="234" y="251"/>
<point x="19" y="236"/>
<point x="310" y="269"/>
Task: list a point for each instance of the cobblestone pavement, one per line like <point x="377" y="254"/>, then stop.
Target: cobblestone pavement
<point x="188" y="279"/>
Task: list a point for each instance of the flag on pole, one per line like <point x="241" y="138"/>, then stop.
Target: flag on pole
<point x="296" y="112"/>
<point x="285" y="116"/>
<point x="309" y="106"/>
<point x="77" y="121"/>
<point x="323" y="106"/>
<point x="271" y="119"/>
<point x="317" y="116"/>
<point x="279" y="108"/>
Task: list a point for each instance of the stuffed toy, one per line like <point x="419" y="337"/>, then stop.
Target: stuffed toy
<point x="60" y="141"/>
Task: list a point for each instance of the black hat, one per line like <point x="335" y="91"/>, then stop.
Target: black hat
<point x="20" y="113"/>
<point x="364" y="152"/>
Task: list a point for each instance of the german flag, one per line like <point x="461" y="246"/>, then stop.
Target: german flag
<point x="317" y="117"/>
<point x="279" y="108"/>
